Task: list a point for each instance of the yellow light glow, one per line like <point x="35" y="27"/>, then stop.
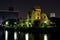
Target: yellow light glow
<point x="45" y="21"/>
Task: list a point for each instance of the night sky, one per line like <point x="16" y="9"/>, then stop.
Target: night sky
<point x="23" y="6"/>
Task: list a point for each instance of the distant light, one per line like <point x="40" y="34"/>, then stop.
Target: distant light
<point x="45" y="37"/>
<point x="45" y="21"/>
<point x="15" y="22"/>
<point x="7" y="22"/>
<point x="6" y="35"/>
<point x="52" y="22"/>
<point x="52" y="15"/>
<point x="22" y="24"/>
<point x="15" y="35"/>
<point x="19" y="32"/>
<point x="43" y="26"/>
<point x="27" y="24"/>
<point x="27" y="36"/>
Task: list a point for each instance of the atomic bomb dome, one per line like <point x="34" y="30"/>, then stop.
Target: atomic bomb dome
<point x="37" y="7"/>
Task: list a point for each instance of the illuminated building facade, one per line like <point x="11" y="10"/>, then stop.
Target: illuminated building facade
<point x="44" y="20"/>
<point x="36" y="14"/>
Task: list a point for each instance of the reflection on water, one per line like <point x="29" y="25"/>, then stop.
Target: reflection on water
<point x="6" y="35"/>
<point x="45" y="37"/>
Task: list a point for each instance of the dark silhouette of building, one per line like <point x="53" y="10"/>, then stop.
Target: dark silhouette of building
<point x="55" y="21"/>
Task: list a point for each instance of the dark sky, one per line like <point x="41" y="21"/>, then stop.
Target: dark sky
<point x="24" y="6"/>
